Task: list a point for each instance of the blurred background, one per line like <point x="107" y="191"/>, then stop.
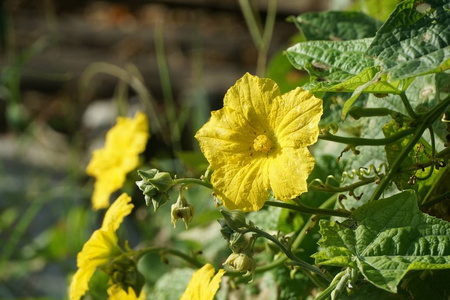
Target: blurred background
<point x="68" y="69"/>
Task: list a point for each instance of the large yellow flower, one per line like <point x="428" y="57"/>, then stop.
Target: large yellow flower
<point x="101" y="248"/>
<point x="258" y="142"/>
<point x="110" y="165"/>
<point x="203" y="286"/>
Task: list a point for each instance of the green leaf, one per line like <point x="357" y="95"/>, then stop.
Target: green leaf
<point x="391" y="237"/>
<point x="341" y="67"/>
<point x="336" y="25"/>
<point x="331" y="61"/>
<point x="414" y="40"/>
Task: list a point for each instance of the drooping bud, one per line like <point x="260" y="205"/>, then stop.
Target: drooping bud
<point x="182" y="209"/>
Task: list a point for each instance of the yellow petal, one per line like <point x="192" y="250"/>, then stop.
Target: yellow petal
<point x="99" y="250"/>
<point x="252" y="97"/>
<point x="226" y="138"/>
<point x="295" y="117"/>
<point x="120" y="155"/>
<point x="242" y="187"/>
<point x="289" y="171"/>
<point x="202" y="286"/>
<point x="105" y="185"/>
<point x="117" y="212"/>
<point x="80" y="283"/>
<point x="115" y="292"/>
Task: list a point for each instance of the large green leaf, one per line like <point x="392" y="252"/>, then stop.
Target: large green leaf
<point x="414" y="40"/>
<point x="333" y="62"/>
<point x="389" y="237"/>
<point x="336" y="25"/>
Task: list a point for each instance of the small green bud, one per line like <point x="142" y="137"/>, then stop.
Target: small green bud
<point x="154" y="185"/>
<point x="235" y="219"/>
<point x="123" y="272"/>
<point x="162" y="181"/>
<point x="182" y="210"/>
<point x="146" y="175"/>
<point x="241" y="262"/>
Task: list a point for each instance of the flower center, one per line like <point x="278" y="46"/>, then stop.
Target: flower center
<point x="262" y="144"/>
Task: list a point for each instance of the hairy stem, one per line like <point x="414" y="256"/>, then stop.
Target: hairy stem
<point x="192" y="260"/>
<point x="367" y="142"/>
<point x="309" y="210"/>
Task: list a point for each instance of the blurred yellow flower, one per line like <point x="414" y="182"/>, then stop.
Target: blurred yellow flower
<point x="115" y="292"/>
<point x="101" y="248"/>
<point x="258" y="142"/>
<point x="203" y="286"/>
<point x="110" y="165"/>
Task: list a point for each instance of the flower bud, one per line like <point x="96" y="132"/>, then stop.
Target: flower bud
<point x="235" y="219"/>
<point x="124" y="273"/>
<point x="162" y="181"/>
<point x="242" y="263"/>
<point x="182" y="210"/>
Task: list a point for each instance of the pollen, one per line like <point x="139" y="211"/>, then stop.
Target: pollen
<point x="262" y="144"/>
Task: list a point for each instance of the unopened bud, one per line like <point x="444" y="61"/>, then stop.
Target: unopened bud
<point x="234" y="218"/>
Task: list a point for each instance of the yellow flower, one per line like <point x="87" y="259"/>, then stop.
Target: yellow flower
<point x="101" y="248"/>
<point x="110" y="165"/>
<point x="115" y="292"/>
<point x="258" y="142"/>
<point x="203" y="286"/>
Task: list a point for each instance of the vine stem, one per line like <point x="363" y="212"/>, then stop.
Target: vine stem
<point x="408" y="106"/>
<point x="193" y="181"/>
<point x="193" y="261"/>
<point x="426" y="121"/>
<point x="310" y="210"/>
<point x="367" y="142"/>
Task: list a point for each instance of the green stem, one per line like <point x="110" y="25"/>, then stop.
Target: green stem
<point x="193" y="261"/>
<point x="426" y="121"/>
<point x="407" y="105"/>
<point x="193" y="181"/>
<point x="358" y="112"/>
<point x="309" y="210"/>
<point x="443" y="197"/>
<point x="366" y="142"/>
